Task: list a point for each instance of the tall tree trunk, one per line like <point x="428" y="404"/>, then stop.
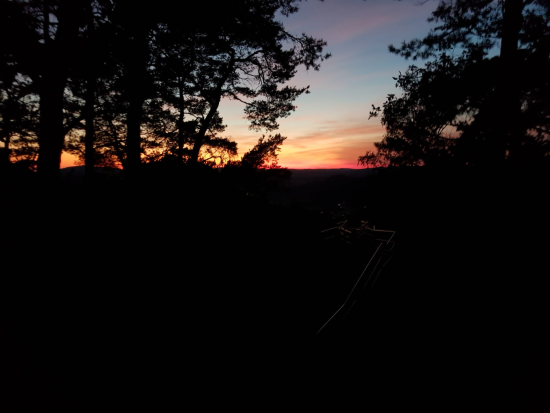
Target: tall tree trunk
<point x="89" y="107"/>
<point x="89" y="138"/>
<point x="199" y="137"/>
<point x="51" y="134"/>
<point x="508" y="90"/>
<point x="52" y="86"/>
<point x="181" y="136"/>
<point x="137" y="74"/>
<point x="133" y="137"/>
<point x="214" y="101"/>
<point x="5" y="154"/>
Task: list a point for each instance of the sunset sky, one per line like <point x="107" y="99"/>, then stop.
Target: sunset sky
<point x="330" y="128"/>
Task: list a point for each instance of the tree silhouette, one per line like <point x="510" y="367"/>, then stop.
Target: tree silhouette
<point x="265" y="153"/>
<point x="235" y="50"/>
<point x="241" y="57"/>
<point x="490" y="108"/>
<point x="46" y="32"/>
<point x="119" y="83"/>
<point x="438" y="102"/>
<point x="19" y="115"/>
<point x="258" y="171"/>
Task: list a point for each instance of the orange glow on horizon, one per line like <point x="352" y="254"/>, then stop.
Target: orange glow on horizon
<point x="327" y="148"/>
<point x="68" y="160"/>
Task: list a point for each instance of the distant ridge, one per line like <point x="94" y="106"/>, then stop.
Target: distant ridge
<point x="75" y="174"/>
<point x="306" y="176"/>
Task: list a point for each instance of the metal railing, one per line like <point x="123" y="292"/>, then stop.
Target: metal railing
<point x="382" y="240"/>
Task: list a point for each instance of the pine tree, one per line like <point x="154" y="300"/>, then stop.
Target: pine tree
<point x="493" y="105"/>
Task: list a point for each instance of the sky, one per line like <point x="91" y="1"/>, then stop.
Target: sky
<point x="330" y="127"/>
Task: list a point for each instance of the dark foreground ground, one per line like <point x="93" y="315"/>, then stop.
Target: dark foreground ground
<point x="194" y="287"/>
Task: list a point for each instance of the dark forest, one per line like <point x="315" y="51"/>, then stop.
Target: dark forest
<point x="166" y="270"/>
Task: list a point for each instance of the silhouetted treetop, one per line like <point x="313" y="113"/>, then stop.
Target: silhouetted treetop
<point x="464" y="106"/>
<point x="265" y="153"/>
<point x="119" y="83"/>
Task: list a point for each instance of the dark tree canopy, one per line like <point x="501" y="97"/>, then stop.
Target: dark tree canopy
<point x="467" y="106"/>
<point x="265" y="153"/>
<point x="119" y="83"/>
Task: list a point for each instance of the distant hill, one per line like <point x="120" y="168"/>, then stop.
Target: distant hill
<point x="75" y="174"/>
<point x="309" y="176"/>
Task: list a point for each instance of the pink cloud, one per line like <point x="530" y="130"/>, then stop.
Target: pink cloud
<point x="340" y="21"/>
<point x="324" y="144"/>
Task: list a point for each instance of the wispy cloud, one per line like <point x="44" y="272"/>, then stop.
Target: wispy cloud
<point x="335" y="144"/>
<point x="330" y="128"/>
<point x="343" y="20"/>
